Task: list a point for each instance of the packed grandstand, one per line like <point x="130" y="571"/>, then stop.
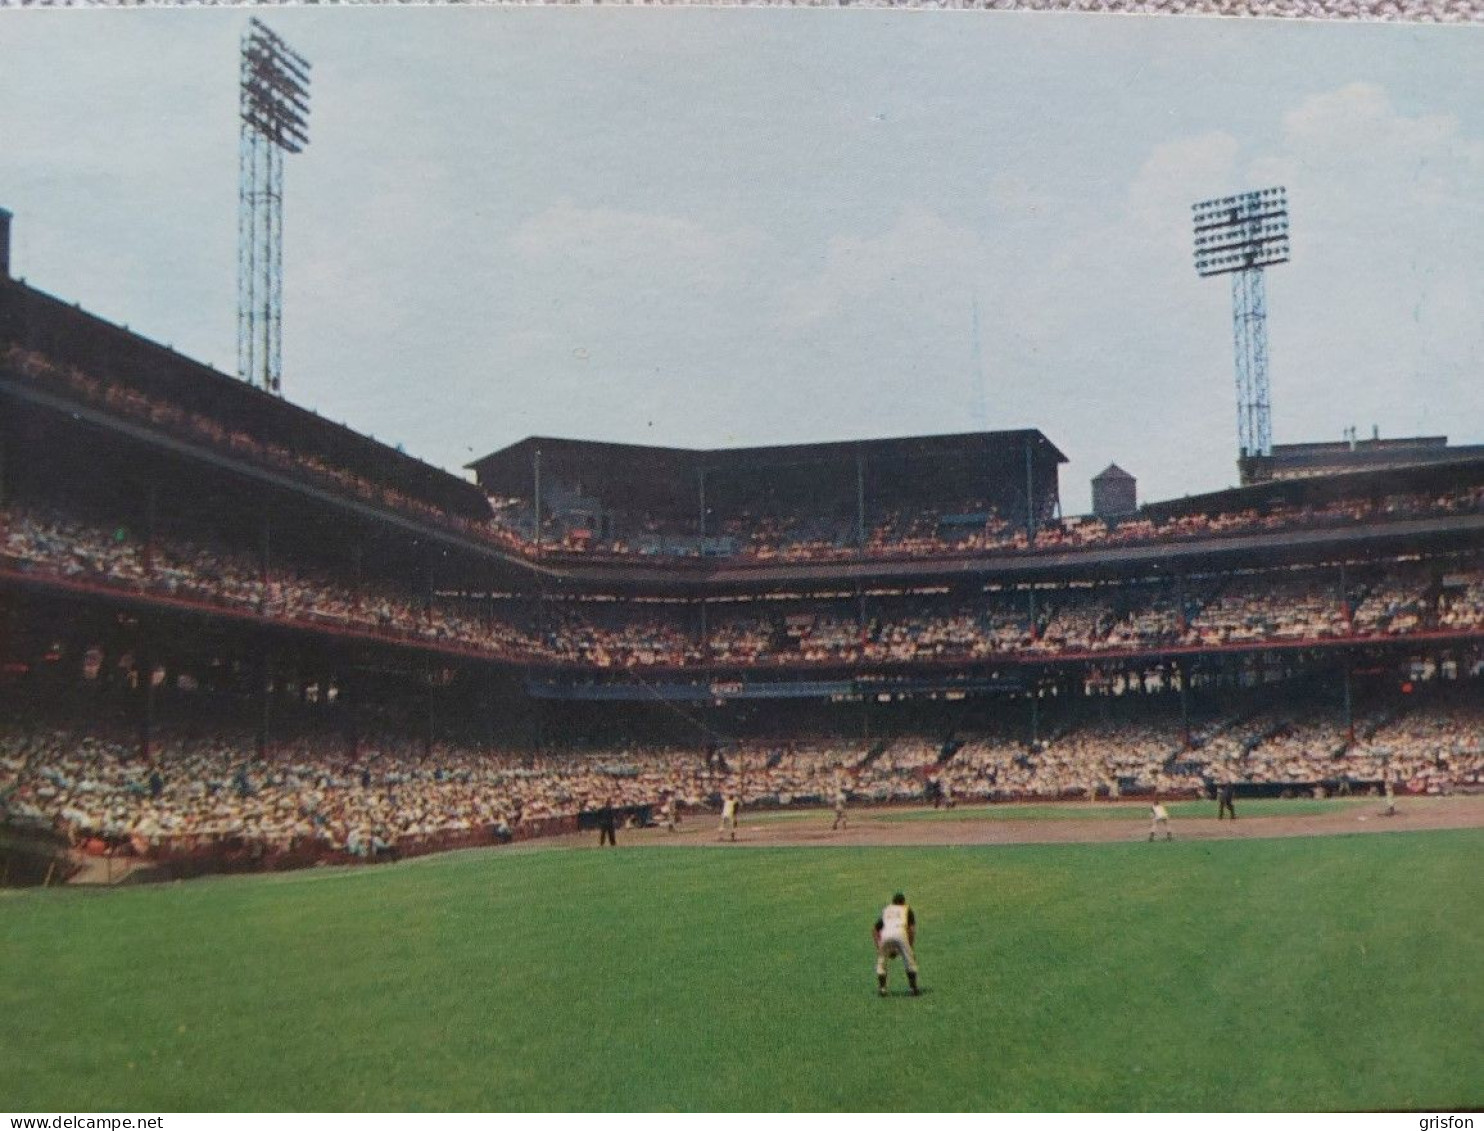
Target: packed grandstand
<point x="234" y="633"/>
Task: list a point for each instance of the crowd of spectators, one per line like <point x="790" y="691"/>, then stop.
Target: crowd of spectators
<point x="203" y="787"/>
<point x="1276" y="606"/>
<point x="1428" y="751"/>
<point x="211" y="791"/>
<point x="939" y="531"/>
<point x="43" y="542"/>
<point x="1463" y="601"/>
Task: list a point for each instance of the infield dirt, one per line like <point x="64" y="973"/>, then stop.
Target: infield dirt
<point x="886" y="826"/>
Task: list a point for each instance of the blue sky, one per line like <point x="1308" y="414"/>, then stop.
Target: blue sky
<point x="744" y="226"/>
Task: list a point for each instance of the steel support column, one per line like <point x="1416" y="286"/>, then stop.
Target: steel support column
<point x="1250" y="342"/>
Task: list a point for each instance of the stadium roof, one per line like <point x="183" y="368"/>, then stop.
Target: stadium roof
<point x="644" y="471"/>
<point x="36" y="320"/>
<point x="1297" y="461"/>
<point x="1319" y="489"/>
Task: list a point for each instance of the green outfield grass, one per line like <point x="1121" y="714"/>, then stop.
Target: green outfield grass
<point x="1323" y="973"/>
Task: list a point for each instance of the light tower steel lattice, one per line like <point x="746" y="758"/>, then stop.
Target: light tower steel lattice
<point x="1240" y="236"/>
<point x="274" y="112"/>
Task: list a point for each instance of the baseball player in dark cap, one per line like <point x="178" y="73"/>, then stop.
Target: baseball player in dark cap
<point x="894" y="934"/>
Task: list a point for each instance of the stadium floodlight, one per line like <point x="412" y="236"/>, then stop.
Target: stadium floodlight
<point x="1241" y="236"/>
<point x="1237" y="233"/>
<point x="274" y="120"/>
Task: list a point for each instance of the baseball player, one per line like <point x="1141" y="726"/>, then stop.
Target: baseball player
<point x="894" y="934"/>
<point x="1225" y="796"/>
<point x="728" y="817"/>
<point x="840" y="799"/>
<point x="1159" y="820"/>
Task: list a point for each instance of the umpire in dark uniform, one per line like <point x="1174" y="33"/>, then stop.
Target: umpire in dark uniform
<point x="607" y="825"/>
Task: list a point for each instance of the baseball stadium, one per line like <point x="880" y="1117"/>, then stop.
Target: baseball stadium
<point x="382" y="717"/>
<point x="838" y="741"/>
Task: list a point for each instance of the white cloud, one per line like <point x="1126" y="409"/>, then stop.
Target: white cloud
<point x="1359" y="120"/>
<point x="921" y="256"/>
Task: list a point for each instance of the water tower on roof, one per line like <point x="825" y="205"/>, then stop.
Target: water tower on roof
<point x="1115" y="493"/>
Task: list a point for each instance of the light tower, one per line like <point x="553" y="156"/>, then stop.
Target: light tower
<point x="274" y="112"/>
<point x="1240" y="236"/>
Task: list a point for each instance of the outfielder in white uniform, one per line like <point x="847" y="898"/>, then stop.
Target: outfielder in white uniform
<point x="894" y="934"/>
<point x="840" y="819"/>
<point x="728" y="817"/>
<point x="1159" y="820"/>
